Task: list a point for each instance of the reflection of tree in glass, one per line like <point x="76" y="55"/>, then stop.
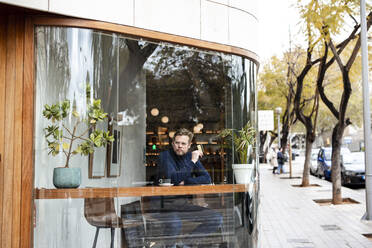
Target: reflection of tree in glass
<point x="242" y="74"/>
<point x="117" y="63"/>
<point x="55" y="53"/>
<point x="115" y="147"/>
<point x="187" y="84"/>
<point x="104" y="56"/>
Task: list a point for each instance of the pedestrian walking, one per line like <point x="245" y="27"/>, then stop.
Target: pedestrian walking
<point x="281" y="159"/>
<point x="272" y="157"/>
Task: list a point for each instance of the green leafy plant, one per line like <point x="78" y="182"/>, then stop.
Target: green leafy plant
<point x="241" y="139"/>
<point x="69" y="140"/>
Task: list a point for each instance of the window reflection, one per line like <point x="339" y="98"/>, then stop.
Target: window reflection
<point x="191" y="89"/>
<point x="149" y="91"/>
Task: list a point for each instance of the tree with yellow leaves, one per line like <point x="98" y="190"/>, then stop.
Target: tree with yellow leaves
<point x="325" y="22"/>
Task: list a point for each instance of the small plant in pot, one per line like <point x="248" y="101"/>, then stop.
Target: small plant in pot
<point x="81" y="137"/>
<point x="243" y="141"/>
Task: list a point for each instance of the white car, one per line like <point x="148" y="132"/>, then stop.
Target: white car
<point x="314" y="161"/>
<point x="353" y="169"/>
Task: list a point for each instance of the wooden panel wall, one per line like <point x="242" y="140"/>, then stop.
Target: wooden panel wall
<point x="28" y="138"/>
<point x="7" y="227"/>
<point x="12" y="44"/>
<point x="17" y="132"/>
<point x="2" y="113"/>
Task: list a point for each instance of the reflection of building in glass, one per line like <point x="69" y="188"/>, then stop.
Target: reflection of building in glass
<point x="154" y="73"/>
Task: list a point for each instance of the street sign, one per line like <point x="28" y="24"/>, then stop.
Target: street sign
<point x="348" y="140"/>
<point x="265" y="120"/>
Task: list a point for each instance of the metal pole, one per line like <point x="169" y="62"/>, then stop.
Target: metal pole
<point x="290" y="156"/>
<point x="366" y="112"/>
<point x="279" y="130"/>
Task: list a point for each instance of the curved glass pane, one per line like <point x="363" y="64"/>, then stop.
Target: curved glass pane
<point x="75" y="72"/>
<point x="110" y="105"/>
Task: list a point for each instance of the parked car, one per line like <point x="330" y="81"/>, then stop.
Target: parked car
<point x="353" y="169"/>
<point x="325" y="160"/>
<point x="314" y="161"/>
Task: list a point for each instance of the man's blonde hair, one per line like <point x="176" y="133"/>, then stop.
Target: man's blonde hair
<point x="184" y="132"/>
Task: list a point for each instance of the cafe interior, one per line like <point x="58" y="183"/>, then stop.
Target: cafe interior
<point x="149" y="89"/>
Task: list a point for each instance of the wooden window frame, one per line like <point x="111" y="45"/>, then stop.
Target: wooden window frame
<point x="28" y="192"/>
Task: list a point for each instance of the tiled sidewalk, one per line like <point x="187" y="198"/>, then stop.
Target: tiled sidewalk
<point x="290" y="218"/>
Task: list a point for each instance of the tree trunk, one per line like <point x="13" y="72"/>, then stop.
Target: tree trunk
<point x="337" y="133"/>
<point x="137" y="57"/>
<point x="270" y="141"/>
<point x="307" y="120"/>
<point x="338" y="130"/>
<point x="263" y="137"/>
<point x="284" y="138"/>
<point x="306" y="171"/>
<point x="273" y="136"/>
<point x="287" y="120"/>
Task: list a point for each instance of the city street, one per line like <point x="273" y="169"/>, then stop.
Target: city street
<point x="290" y="217"/>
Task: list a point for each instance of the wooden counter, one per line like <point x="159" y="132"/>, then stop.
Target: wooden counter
<point x="137" y="191"/>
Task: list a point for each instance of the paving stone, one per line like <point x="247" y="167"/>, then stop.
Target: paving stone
<point x="290" y="218"/>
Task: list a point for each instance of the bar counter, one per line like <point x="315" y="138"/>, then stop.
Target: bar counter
<point x="137" y="191"/>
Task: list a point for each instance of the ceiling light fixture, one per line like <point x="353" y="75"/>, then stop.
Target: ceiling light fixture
<point x="165" y="119"/>
<point x="154" y="112"/>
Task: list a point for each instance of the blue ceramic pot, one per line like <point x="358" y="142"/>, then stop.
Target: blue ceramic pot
<point x="66" y="177"/>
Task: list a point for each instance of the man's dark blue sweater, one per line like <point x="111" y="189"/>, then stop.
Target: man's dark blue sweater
<point x="182" y="169"/>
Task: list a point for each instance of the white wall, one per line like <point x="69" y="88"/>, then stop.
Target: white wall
<point x="230" y="22"/>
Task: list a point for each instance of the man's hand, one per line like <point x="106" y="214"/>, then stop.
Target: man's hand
<point x="195" y="155"/>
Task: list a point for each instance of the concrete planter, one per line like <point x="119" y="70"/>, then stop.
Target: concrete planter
<point x="243" y="173"/>
<point x="66" y="177"/>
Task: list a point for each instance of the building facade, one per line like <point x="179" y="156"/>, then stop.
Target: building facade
<point x="153" y="67"/>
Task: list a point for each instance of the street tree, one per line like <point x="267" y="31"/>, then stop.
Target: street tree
<point x="277" y="86"/>
<point x="265" y="103"/>
<point x="326" y="19"/>
<point x="306" y="106"/>
<point x="332" y="84"/>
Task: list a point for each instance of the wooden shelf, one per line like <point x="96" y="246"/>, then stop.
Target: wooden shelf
<point x="137" y="191"/>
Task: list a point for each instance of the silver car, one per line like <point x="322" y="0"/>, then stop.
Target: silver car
<point x="314" y="161"/>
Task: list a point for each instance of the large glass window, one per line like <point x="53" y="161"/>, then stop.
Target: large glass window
<point x="109" y="105"/>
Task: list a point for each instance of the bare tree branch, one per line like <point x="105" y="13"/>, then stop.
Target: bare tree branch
<point x="319" y="81"/>
<point x="357" y="45"/>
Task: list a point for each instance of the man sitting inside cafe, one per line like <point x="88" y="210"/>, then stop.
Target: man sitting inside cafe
<point x="183" y="167"/>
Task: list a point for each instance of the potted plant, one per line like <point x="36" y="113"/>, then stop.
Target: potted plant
<point x="79" y="138"/>
<point x="243" y="141"/>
